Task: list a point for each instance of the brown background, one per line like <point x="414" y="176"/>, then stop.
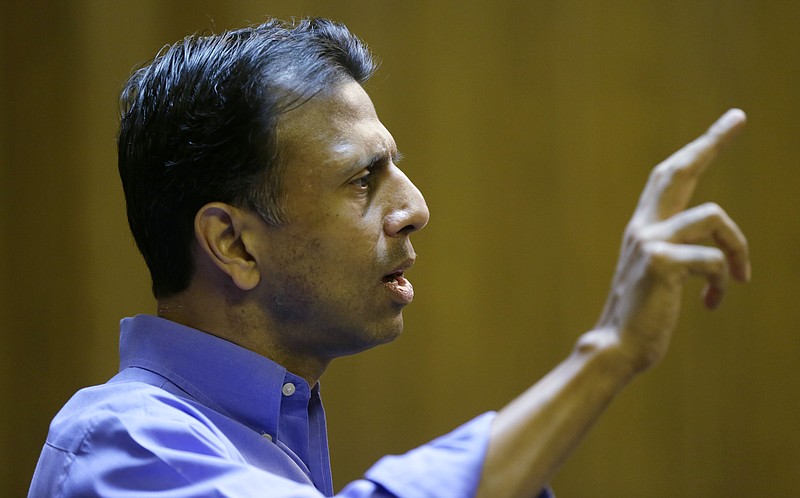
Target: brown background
<point x="530" y="127"/>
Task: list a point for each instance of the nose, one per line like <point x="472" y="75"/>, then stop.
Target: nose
<point x="408" y="211"/>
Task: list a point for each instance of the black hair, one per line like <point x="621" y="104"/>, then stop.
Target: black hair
<point x="198" y="125"/>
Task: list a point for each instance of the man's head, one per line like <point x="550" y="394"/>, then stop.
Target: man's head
<point x="264" y="193"/>
<point x="199" y="125"/>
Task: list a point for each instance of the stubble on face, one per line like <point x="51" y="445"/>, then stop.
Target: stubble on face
<point x="322" y="286"/>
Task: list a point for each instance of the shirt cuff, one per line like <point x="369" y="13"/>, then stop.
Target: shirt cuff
<point x="447" y="466"/>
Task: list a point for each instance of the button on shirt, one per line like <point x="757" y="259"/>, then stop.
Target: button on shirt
<point x="190" y="414"/>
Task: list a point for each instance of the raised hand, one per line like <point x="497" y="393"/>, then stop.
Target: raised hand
<point x="662" y="248"/>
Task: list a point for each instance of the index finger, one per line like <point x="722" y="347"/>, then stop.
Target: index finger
<point x="672" y="182"/>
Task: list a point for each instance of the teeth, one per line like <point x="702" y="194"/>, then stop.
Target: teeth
<point x="392" y="277"/>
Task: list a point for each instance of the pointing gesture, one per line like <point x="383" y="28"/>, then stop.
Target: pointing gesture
<point x="661" y="248"/>
<point x="664" y="244"/>
<point x="673" y="181"/>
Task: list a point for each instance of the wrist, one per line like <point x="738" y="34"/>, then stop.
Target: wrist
<point x="602" y="348"/>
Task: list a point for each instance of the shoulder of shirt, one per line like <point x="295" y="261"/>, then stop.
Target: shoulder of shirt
<point x="125" y="408"/>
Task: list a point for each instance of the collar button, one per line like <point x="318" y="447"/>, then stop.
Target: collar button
<point x="288" y="389"/>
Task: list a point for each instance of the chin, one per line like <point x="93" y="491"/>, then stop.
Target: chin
<point x="373" y="337"/>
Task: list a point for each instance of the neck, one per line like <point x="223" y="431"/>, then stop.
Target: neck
<point x="236" y="323"/>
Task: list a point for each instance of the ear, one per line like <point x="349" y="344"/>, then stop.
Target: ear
<point x="219" y="229"/>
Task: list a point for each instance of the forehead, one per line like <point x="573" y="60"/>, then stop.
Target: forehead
<point x="336" y="127"/>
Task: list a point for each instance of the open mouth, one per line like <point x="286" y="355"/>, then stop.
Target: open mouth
<point x="399" y="288"/>
<point x="393" y="277"/>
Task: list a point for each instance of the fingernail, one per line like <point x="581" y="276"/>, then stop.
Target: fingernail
<point x="713" y="297"/>
<point x="731" y="117"/>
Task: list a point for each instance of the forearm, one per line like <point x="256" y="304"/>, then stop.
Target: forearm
<point x="535" y="433"/>
<point x="532" y="436"/>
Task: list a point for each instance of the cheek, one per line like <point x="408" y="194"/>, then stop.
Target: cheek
<point x="331" y="263"/>
<point x="349" y="235"/>
<point x="319" y="281"/>
<point x="296" y="282"/>
<point x="338" y="249"/>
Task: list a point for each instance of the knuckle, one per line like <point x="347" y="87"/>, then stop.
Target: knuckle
<point x="681" y="170"/>
<point x="648" y="233"/>
<point x="636" y="239"/>
<point x="634" y="225"/>
<point x="633" y="231"/>
<point x="715" y="265"/>
<point x="718" y="264"/>
<point x="677" y="168"/>
<point x="657" y="257"/>
<point x="711" y="262"/>
<point x="713" y="210"/>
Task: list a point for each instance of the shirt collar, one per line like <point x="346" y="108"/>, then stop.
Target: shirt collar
<point x="217" y="373"/>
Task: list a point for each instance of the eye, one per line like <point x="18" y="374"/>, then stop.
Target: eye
<point x="363" y="181"/>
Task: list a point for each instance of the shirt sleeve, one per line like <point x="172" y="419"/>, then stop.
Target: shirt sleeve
<point x="138" y="454"/>
<point x="447" y="466"/>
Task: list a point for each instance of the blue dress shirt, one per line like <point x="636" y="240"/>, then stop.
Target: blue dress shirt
<point x="191" y="415"/>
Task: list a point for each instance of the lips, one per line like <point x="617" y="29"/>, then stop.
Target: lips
<point x="392" y="276"/>
<point x="399" y="288"/>
<point x="397" y="271"/>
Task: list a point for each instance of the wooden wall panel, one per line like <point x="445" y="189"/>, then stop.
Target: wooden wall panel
<point x="45" y="292"/>
<point x="530" y="127"/>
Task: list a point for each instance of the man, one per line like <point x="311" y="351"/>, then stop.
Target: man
<point x="265" y="196"/>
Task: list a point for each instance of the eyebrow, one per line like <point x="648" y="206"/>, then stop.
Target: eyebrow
<point x="380" y="157"/>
